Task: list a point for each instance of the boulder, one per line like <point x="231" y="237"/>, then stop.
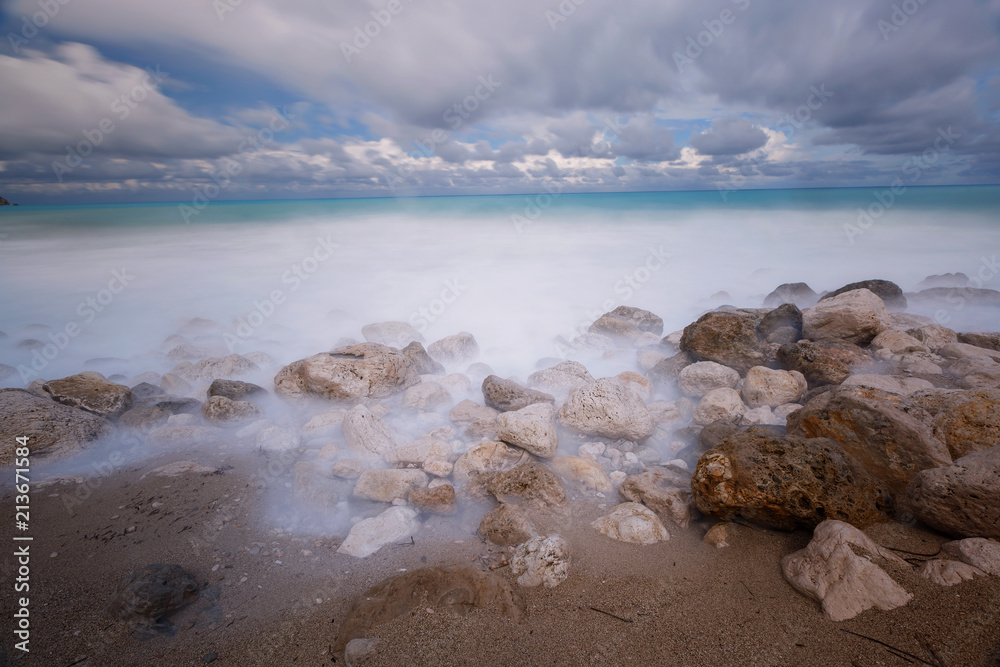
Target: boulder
<point x="968" y="421"/>
<point x="933" y="336"/>
<point x="608" y="409"/>
<point x="348" y="469"/>
<point x="667" y="370"/>
<point x="885" y="433"/>
<point x="461" y="348"/>
<point x="894" y="341"/>
<point x="785" y="482"/>
<point x="147" y="597"/>
<point x="642" y="387"/>
<point x="960" y="500"/>
<point x="948" y="572"/>
<point x="965" y="351"/>
<point x="764" y="386"/>
<point x="626" y="322"/>
<point x="369" y="535"/>
<point x="889" y="292"/>
<point x="439" y="500"/>
<point x="823" y="363"/>
<point x="92" y="392"/>
<point x="781" y="325"/>
<point x="725" y="337"/>
<point x="989" y="341"/>
<point x="532" y="428"/>
<point x="844" y="582"/>
<point x="978" y="552"/>
<point x="324" y="424"/>
<point x="799" y="294"/>
<point x="53" y="430"/>
<point x="361" y="371"/>
<point x="702" y="377"/>
<point x="488" y="457"/>
<point x="895" y="384"/>
<point x="421" y="451"/>
<point x="208" y="370"/>
<point x="426" y="396"/>
<point x="562" y="379"/>
<point x="468" y="411"/>
<point x="528" y="481"/>
<point x="423" y="364"/>
<point x="504" y="395"/>
<point x="584" y="471"/>
<point x="857" y="316"/>
<point x="633" y="523"/>
<point x="385" y="485"/>
<point x="235" y="390"/>
<point x="222" y="411"/>
<point x="666" y="493"/>
<point x="506" y="526"/>
<point x="367" y="433"/>
<point x="541" y="560"/>
<point x="391" y="334"/>
<point x="719" y="404"/>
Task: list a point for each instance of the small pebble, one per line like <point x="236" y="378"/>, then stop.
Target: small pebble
<point x="130" y="529"/>
<point x="54" y="554"/>
<point x="209" y="657"/>
<point x="114" y="517"/>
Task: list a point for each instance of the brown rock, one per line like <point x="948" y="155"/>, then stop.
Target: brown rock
<point x="969" y="421"/>
<point x="506" y="525"/>
<point x="529" y="481"/>
<point x="785" y="483"/>
<point x="828" y="362"/>
<point x="92" y="392"/>
<point x="727" y="338"/>
<point x="438" y="500"/>
<point x="989" y="341"/>
<point x="663" y="491"/>
<point x="885" y="433"/>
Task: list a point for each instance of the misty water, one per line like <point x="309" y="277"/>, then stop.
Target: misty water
<point x="102" y="288"/>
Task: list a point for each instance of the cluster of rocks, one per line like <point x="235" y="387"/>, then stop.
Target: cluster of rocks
<point x="831" y="417"/>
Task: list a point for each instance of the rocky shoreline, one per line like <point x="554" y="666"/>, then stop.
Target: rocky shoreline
<point x="837" y="415"/>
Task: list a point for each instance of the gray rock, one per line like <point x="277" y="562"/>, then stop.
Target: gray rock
<point x="532" y="428"/>
<point x="961" y="499"/>
<point x="461" y="348"/>
<point x="392" y="334"/>
<point x="422" y="362"/>
<point x="855" y="316"/>
<point x="541" y="560"/>
<point x="607" y="408"/>
<point x="222" y="411"/>
<point x="367" y="370"/>
<point x="504" y="395"/>
<point x="366" y="433"/>
<point x="92" y="392"/>
<point x="53" y="430"/>
<point x="799" y="294"/>
<point x="235" y="390"/>
<point x="888" y="291"/>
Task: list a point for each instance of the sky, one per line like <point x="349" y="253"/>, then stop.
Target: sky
<point x="144" y="100"/>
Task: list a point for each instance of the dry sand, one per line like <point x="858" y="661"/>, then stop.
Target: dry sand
<point x="682" y="602"/>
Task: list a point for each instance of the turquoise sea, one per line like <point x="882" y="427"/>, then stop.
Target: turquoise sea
<point x="523" y="273"/>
